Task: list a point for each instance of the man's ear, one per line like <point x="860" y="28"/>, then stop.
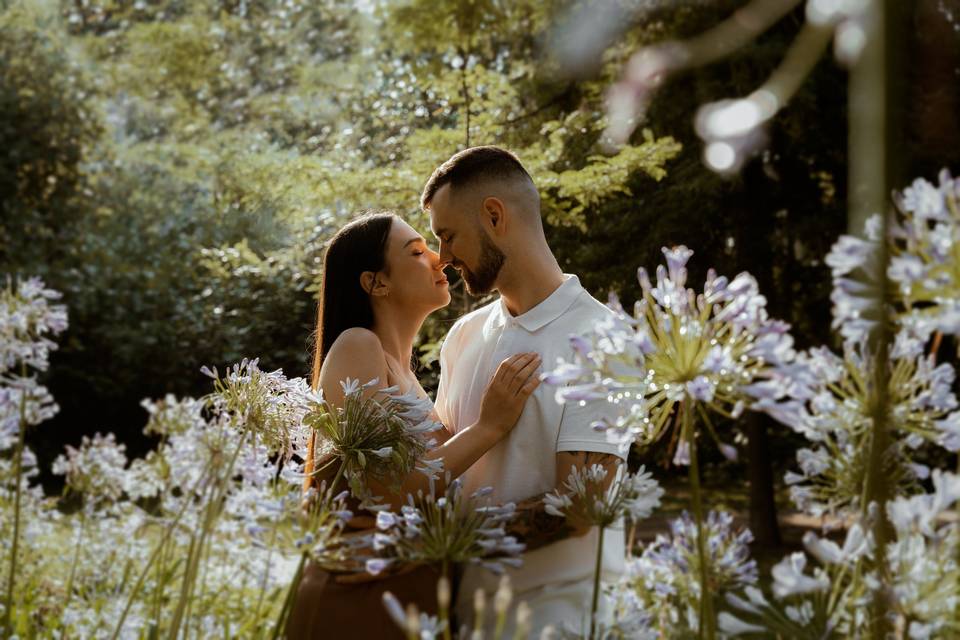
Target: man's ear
<point x="495" y="214"/>
<point x="372" y="284"/>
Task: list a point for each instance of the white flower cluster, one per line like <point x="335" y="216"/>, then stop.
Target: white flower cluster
<point x="661" y="586"/>
<point x="708" y="348"/>
<point x="27" y="319"/>
<point x="584" y="499"/>
<point x="924" y="264"/>
<point x="446" y="529"/>
<point x="381" y="436"/>
<point x="96" y="469"/>
<point x="828" y="400"/>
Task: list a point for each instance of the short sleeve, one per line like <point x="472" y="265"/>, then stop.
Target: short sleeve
<point x="445" y="372"/>
<point x="577" y="434"/>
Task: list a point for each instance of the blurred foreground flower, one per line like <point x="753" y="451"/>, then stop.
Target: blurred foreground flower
<point x="924" y="269"/>
<point x="705" y="348"/>
<point x="420" y="626"/>
<point x="662" y="586"/>
<point x="828" y="399"/>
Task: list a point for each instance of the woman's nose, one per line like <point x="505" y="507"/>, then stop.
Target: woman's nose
<point x="435" y="260"/>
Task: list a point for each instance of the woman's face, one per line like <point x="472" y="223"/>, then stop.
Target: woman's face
<point x="413" y="274"/>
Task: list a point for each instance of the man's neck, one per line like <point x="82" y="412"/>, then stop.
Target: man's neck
<point x="529" y="282"/>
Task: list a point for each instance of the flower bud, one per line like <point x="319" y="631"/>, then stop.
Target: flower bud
<point x="501" y="600"/>
<point x="443" y="592"/>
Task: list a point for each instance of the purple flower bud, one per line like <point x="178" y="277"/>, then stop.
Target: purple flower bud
<point x="377" y="565"/>
<point x="385" y="520"/>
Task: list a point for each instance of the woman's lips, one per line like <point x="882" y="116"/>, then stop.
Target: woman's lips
<point x="441" y="281"/>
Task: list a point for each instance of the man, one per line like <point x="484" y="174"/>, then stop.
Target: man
<point x="485" y="211"/>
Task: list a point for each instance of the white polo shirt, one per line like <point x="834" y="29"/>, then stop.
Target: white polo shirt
<point x="523" y="464"/>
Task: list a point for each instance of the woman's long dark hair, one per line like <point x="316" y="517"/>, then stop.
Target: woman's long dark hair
<point x="359" y="246"/>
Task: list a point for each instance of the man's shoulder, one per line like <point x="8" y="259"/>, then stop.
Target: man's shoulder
<point x="473" y="319"/>
<point x="587" y="310"/>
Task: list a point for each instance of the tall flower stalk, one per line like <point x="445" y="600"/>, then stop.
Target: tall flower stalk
<point x="587" y="498"/>
<point x="26" y="319"/>
<point x="681" y="357"/>
<point x="659" y="593"/>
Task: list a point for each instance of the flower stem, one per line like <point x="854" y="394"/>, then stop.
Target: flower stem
<point x="76" y="558"/>
<point x="596" y="586"/>
<point x="444" y="606"/>
<point x="18" y="466"/>
<point x="288" y="600"/>
<point x="706" y="620"/>
<point x="213" y="509"/>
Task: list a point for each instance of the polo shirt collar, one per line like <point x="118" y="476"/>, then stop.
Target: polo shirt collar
<point x="544" y="313"/>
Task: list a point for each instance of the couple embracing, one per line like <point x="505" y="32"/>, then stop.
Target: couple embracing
<point x="502" y="429"/>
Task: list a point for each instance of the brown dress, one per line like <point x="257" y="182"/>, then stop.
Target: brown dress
<point x="338" y="605"/>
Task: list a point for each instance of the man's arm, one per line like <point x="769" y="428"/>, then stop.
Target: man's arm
<point x="533" y="526"/>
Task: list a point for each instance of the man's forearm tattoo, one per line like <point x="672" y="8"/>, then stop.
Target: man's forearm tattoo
<point x="533" y="525"/>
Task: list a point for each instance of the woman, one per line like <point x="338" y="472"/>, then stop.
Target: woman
<point x="380" y="282"/>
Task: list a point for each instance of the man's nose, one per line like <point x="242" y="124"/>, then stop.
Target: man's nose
<point x="445" y="257"/>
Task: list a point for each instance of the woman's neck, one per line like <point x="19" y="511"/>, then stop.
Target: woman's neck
<point x="397" y="331"/>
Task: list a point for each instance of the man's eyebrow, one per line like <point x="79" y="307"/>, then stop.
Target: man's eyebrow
<point x="441" y="231"/>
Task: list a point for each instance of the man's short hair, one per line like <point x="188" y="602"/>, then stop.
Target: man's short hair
<point x="472" y="165"/>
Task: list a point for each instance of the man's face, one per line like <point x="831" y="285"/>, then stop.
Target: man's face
<point x="464" y="243"/>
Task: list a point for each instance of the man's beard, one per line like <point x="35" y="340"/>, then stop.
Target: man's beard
<point x="481" y="281"/>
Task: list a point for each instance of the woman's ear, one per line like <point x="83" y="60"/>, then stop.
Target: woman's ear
<point x="372" y="284"/>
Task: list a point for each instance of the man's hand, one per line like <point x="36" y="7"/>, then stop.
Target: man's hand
<point x="534" y="527"/>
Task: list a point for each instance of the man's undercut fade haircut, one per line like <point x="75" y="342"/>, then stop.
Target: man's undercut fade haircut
<point x="473" y="165"/>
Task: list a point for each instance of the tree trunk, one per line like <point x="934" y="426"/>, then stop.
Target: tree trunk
<point x="763" y="508"/>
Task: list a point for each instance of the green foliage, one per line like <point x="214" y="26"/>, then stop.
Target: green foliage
<point x="47" y="124"/>
<point x="209" y="147"/>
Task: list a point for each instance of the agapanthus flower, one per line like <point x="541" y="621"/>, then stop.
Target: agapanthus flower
<point x="23" y="402"/>
<point x="925" y="260"/>
<point x="663" y="582"/>
<point x="924" y="265"/>
<point x="96" y="469"/>
<point x="828" y="399"/>
<point x="583" y="499"/>
<point x="923" y="558"/>
<point x="833" y="596"/>
<point x="265" y="402"/>
<point x="707" y="348"/>
<point x="381" y="437"/>
<point x="446" y="529"/>
<point x="27" y="320"/>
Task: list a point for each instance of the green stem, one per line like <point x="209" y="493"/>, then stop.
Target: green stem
<point x="153" y="556"/>
<point x="193" y="561"/>
<point x="18" y="466"/>
<point x="444" y="609"/>
<point x="76" y="558"/>
<point x="288" y="600"/>
<point x="596" y="586"/>
<point x="266" y="573"/>
<point x="706" y="619"/>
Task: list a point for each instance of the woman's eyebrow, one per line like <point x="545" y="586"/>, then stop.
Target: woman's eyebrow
<point x="412" y="240"/>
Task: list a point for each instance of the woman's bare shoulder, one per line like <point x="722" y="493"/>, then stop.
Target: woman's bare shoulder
<point x="356" y="340"/>
<point x="356" y="353"/>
